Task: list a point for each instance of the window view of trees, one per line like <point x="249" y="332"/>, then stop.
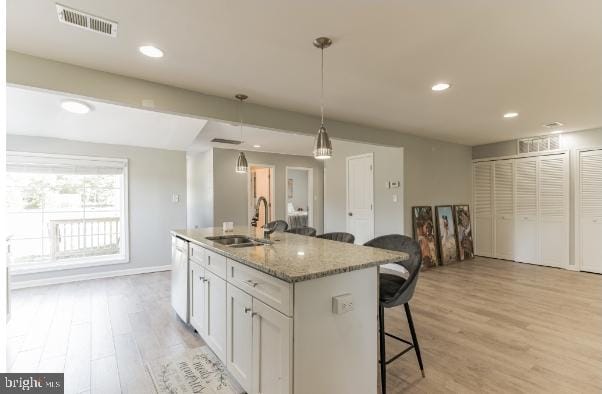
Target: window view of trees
<point x="59" y="216"/>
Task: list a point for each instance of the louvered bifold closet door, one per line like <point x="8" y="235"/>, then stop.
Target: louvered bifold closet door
<point x="503" y="197"/>
<point x="590" y="210"/>
<point x="483" y="200"/>
<point x="526" y="244"/>
<point x="553" y="186"/>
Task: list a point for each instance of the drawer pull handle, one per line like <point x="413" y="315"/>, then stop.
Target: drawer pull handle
<point x="251" y="283"/>
<point x="247" y="310"/>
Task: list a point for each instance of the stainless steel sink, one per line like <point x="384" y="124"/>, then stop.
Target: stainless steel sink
<point x="239" y="241"/>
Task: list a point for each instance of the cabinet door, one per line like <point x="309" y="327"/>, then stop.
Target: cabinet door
<point x="526" y="239"/>
<point x="272" y="350"/>
<point x="553" y="197"/>
<point x="240" y="336"/>
<point x="504" y="209"/>
<point x="198" y="299"/>
<point x="483" y="193"/>
<point x="590" y="210"/>
<point x="215" y="291"/>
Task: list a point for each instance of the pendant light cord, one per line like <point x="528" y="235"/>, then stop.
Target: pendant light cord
<point x="240" y="118"/>
<point x="322" y="92"/>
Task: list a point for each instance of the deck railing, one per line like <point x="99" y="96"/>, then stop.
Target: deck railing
<point x="84" y="237"/>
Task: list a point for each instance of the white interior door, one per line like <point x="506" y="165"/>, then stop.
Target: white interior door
<point x="504" y="209"/>
<point x="526" y="238"/>
<point x="483" y="216"/>
<point x="590" y="210"/>
<point x="360" y="197"/>
<point x="553" y="197"/>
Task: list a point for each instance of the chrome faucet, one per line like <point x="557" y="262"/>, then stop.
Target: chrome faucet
<point x="266" y="213"/>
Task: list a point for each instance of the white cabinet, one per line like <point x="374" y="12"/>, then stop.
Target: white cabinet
<point x="522" y="209"/>
<point x="198" y="299"/>
<point x="483" y="200"/>
<point x="240" y="336"/>
<point x="553" y="202"/>
<point x="272" y="350"/>
<point x="526" y="227"/>
<point x="215" y="312"/>
<point x="504" y="209"/>
<point x="590" y="211"/>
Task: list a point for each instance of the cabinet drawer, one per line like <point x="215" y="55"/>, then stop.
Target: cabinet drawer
<point x="274" y="292"/>
<point x="215" y="263"/>
<point x="197" y="254"/>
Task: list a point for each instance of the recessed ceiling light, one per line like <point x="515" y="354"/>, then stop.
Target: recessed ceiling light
<point x="300" y="253"/>
<point x="76" y="107"/>
<point x="441" y="86"/>
<point x="150" y="51"/>
<point x="256" y="146"/>
<point x="510" y="114"/>
<point x="557" y="132"/>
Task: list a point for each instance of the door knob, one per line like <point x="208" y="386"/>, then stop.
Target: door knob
<point x="350" y="214"/>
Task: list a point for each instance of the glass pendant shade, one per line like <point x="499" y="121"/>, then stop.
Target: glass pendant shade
<point x="322" y="145"/>
<point x="241" y="163"/>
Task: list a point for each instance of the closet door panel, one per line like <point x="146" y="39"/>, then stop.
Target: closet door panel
<point x="483" y="200"/>
<point x="590" y="212"/>
<point x="504" y="208"/>
<point x="553" y="195"/>
<point x="526" y="238"/>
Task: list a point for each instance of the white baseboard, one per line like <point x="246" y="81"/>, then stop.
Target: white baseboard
<point x="95" y="275"/>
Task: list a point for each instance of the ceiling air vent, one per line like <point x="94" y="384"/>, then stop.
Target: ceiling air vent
<point x="539" y="144"/>
<point x="224" y="141"/>
<point x="85" y="21"/>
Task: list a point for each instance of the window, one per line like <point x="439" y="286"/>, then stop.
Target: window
<point x="65" y="211"/>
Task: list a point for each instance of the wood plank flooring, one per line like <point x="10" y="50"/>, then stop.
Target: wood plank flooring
<point x="485" y="326"/>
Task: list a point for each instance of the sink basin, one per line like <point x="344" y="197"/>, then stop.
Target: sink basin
<point x="238" y="241"/>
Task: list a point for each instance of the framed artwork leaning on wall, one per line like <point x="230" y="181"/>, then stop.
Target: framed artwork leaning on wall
<point x="463" y="227"/>
<point x="424" y="234"/>
<point x="446" y="234"/>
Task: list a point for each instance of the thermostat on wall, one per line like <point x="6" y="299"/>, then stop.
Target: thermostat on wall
<point x="395" y="183"/>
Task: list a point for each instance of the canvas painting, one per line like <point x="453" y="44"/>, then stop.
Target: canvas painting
<point x="424" y="234"/>
<point x="463" y="232"/>
<point x="446" y="234"/>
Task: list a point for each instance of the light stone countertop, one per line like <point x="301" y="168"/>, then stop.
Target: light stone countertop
<point x="292" y="257"/>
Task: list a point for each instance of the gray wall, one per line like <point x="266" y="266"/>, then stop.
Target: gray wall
<point x="154" y="174"/>
<point x="388" y="166"/>
<point x="572" y="141"/>
<point x="199" y="182"/>
<point x="231" y="189"/>
<point x="300" y="183"/>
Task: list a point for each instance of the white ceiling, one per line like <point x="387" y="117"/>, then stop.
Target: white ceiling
<point x="38" y="113"/>
<point x="268" y="140"/>
<point x="31" y="112"/>
<point x="541" y="58"/>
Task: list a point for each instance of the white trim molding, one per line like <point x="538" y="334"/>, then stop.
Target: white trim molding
<point x="90" y="276"/>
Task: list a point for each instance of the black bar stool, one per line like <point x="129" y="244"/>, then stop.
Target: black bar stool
<point x="341" y="237"/>
<point x="396" y="290"/>
<point x="309" y="231"/>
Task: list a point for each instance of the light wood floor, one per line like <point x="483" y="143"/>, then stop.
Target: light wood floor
<point x="484" y="326"/>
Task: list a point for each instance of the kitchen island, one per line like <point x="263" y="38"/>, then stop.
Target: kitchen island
<point x="291" y="314"/>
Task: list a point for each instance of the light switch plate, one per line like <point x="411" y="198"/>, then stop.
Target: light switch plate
<point x="342" y="304"/>
<point x="175" y="197"/>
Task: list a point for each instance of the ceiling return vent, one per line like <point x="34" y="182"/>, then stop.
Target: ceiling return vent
<point x="225" y="141"/>
<point x="85" y="21"/>
<point x="539" y="144"/>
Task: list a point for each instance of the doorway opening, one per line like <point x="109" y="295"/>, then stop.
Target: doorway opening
<point x="261" y="184"/>
<point x="299" y="196"/>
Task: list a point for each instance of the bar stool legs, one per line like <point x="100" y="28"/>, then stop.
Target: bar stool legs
<point x="414" y="338"/>
<point x="383" y="363"/>
<point x="412" y="345"/>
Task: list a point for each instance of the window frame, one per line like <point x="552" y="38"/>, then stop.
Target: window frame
<point x="81" y="262"/>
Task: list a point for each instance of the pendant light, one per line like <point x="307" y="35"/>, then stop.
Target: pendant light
<point x="322" y="145"/>
<point x="242" y="167"/>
